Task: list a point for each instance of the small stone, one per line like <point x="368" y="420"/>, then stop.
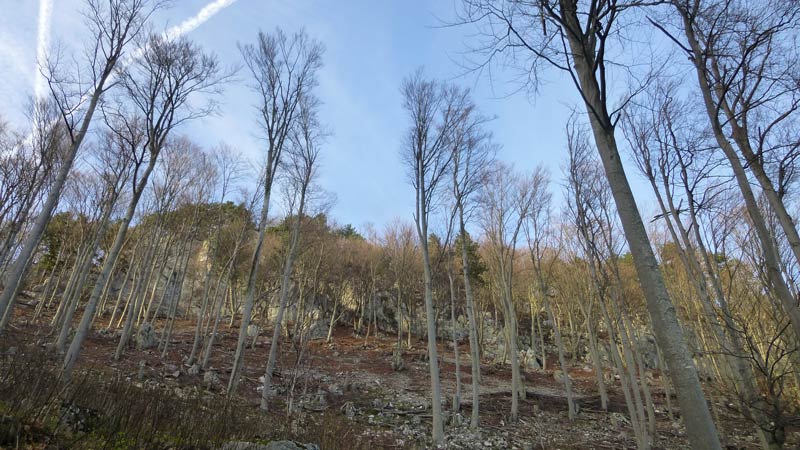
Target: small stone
<point x="349" y="410"/>
<point x="253" y="331"/>
<point x="210" y="378"/>
<point x="140" y="374"/>
<point x="146" y="337"/>
<point x="398" y="364"/>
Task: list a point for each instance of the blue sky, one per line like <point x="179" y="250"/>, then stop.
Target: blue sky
<point x="371" y="46"/>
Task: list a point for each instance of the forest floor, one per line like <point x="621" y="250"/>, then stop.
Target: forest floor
<point x="352" y="378"/>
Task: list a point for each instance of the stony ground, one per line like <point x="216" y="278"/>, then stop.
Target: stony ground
<point x="354" y="377"/>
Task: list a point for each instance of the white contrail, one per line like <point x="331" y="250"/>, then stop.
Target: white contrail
<point x="187" y="26"/>
<point x="200" y="18"/>
<point x="42" y="45"/>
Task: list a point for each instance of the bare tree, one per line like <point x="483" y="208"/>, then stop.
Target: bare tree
<point x="114" y="165"/>
<point x="747" y="76"/>
<point x="305" y="140"/>
<point x="113" y="26"/>
<point x="228" y="167"/>
<point x="158" y="87"/>
<point x="284" y="69"/>
<point x="506" y="203"/>
<point x="27" y="169"/>
<point x="472" y="155"/>
<point x="575" y="37"/>
<point x="669" y="152"/>
<point x="435" y="110"/>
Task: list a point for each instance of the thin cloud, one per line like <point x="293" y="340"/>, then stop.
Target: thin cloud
<point x="42" y="45"/>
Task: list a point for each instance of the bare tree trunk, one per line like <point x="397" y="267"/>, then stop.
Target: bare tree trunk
<point x="598" y="365"/>
<point x="474" y="351"/>
<point x="701" y="431"/>
<point x="114" y="27"/>
<point x="284" y="297"/>
<point x="572" y="412"/>
<point x="105" y="273"/>
<point x="457" y="392"/>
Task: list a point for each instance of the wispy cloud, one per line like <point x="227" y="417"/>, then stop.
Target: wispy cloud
<point x="42" y="45"/>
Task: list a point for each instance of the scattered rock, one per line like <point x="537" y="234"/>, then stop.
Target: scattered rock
<point x="529" y="360"/>
<point x="349" y="410"/>
<point x="318" y="330"/>
<point x="76" y="418"/>
<point x="321" y="398"/>
<point x="146" y="337"/>
<point x="397" y="360"/>
<point x="274" y="445"/>
<point x="140" y="374"/>
<point x="253" y="331"/>
<point x="210" y="378"/>
<point x="335" y="389"/>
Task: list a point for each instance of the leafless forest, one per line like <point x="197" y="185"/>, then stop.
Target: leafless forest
<point x="160" y="292"/>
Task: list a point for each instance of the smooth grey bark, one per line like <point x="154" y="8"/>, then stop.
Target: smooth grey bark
<point x="571" y="410"/>
<point x="578" y="46"/>
<point x="88" y="314"/>
<point x="304" y="150"/>
<point x="283" y="68"/>
<point x="136" y="303"/>
<point x="771" y="257"/>
<point x="85" y="266"/>
<point x="159" y="86"/>
<point x="247" y="310"/>
<point x="457" y="391"/>
<point x="283" y="299"/>
<point x="474" y="350"/>
<point x="750" y="398"/>
<point x="167" y="333"/>
<point x="124" y="22"/>
<point x="510" y="319"/>
<point x="701" y="431"/>
<point x="435" y="110"/>
<point x="433" y="355"/>
<point x="597" y="363"/>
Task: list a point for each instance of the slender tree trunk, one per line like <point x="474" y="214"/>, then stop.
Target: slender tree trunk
<point x="108" y="264"/>
<point x="474" y="350"/>
<point x="457" y="392"/>
<point x="19" y="268"/>
<point x="562" y="361"/>
<point x="701" y="431"/>
<point x="247" y="311"/>
<point x="284" y="297"/>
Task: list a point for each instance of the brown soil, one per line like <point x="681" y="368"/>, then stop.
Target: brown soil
<point x="352" y="360"/>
